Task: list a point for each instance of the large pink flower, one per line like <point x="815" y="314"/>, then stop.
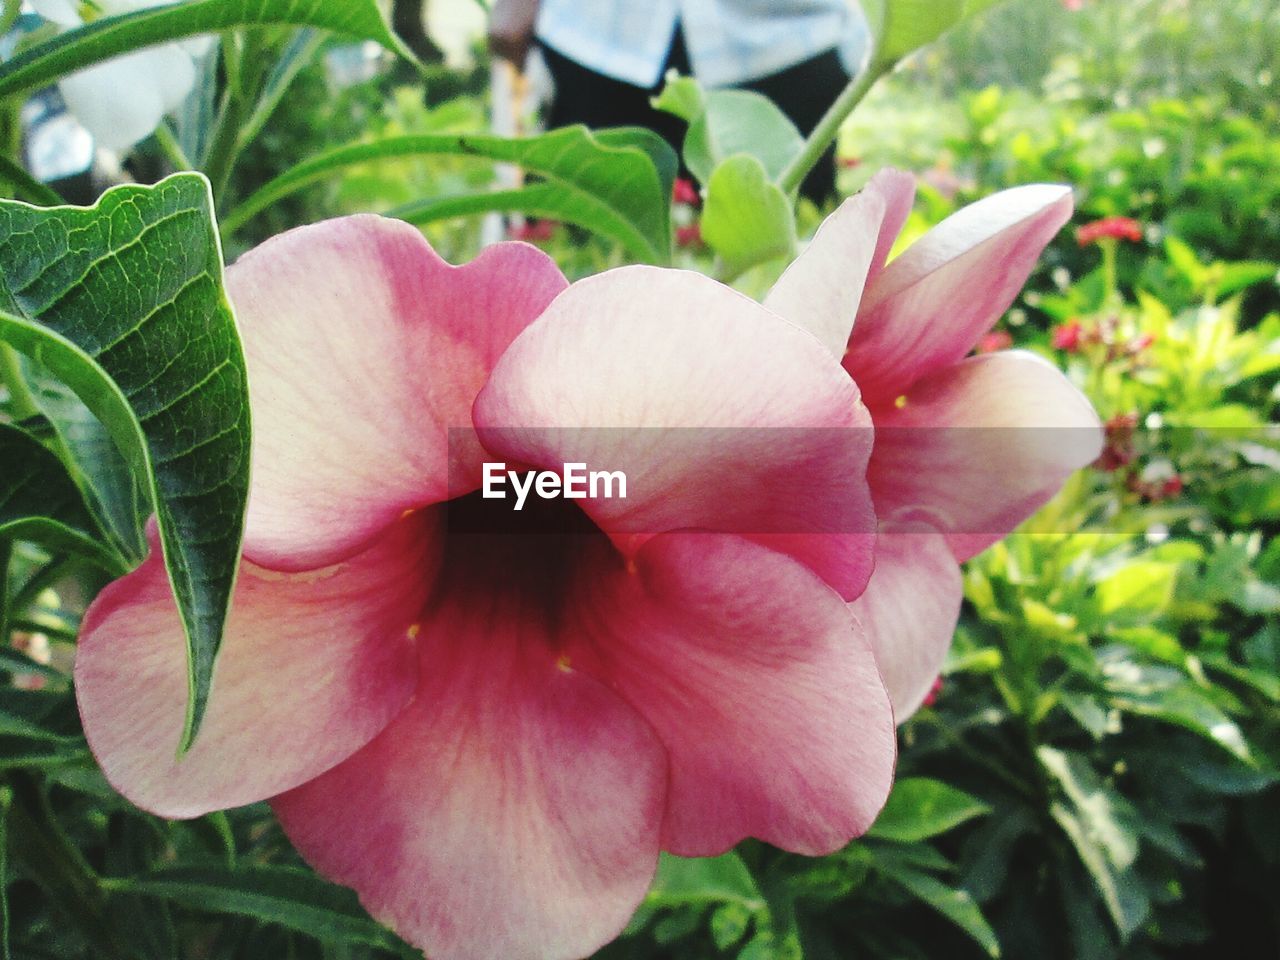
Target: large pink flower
<point x="966" y="447"/>
<point x="486" y="722"/>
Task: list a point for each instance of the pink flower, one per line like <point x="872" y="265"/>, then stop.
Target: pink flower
<point x="1117" y="228"/>
<point x="491" y="735"/>
<point x="966" y="447"/>
<point x="993" y="341"/>
<point x="689" y="235"/>
<point x="683" y="191"/>
<point x="1073" y="5"/>
<point x="1066" y="336"/>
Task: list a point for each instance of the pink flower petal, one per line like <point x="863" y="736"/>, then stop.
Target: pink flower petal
<point x="721" y="415"/>
<point x="821" y="289"/>
<point x="928" y="307"/>
<point x="513" y="810"/>
<point x="365" y="353"/>
<point x="980" y="446"/>
<point x="313" y="665"/>
<point x="899" y="192"/>
<point x="909" y="612"/>
<point x="760" y="685"/>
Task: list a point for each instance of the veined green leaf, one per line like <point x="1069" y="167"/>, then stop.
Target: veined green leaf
<point x="40" y="502"/>
<point x="733" y="122"/>
<point x="617" y="182"/>
<point x="705" y="880"/>
<point x="111" y="36"/>
<point x="293" y="898"/>
<point x="124" y="303"/>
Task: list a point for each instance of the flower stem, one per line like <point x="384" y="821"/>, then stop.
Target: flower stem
<point x="171" y="148"/>
<point x="829" y="126"/>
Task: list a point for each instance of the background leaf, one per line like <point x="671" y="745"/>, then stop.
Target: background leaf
<point x="746" y="219"/>
<point x="159" y="363"/>
<point x="615" y="182"/>
<point x="111" y="36"/>
<point x="919" y="808"/>
<point x="39" y="501"/>
<point x="736" y="122"/>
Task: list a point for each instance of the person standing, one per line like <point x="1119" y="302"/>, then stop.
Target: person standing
<point x="607" y="58"/>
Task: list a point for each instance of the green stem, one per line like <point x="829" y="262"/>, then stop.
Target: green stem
<point x="9" y="15"/>
<point x="171" y="148"/>
<point x="21" y="404"/>
<point x="829" y="126"/>
<point x="6" y="561"/>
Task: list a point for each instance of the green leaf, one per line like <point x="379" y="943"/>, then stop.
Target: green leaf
<point x="114" y="495"/>
<point x="109" y="37"/>
<point x="124" y="302"/>
<point x="294" y="898"/>
<point x="920" y="808"/>
<point x="737" y="122"/>
<point x="956" y="905"/>
<point x="746" y="219"/>
<point x="681" y="97"/>
<point x="1102" y="827"/>
<point x="27" y="187"/>
<point x="910" y="24"/>
<point x="6" y="800"/>
<point x="40" y="502"/>
<point x="1138" y="591"/>
<point x="725" y="878"/>
<point x="617" y="182"/>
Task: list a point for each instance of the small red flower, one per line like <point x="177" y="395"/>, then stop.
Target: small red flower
<point x="931" y="697"/>
<point x="1073" y="5"/>
<point x="1066" y="336"/>
<point x="1118" y="450"/>
<point x="690" y="236"/>
<point x="1141" y="342"/>
<point x="848" y="163"/>
<point x="533" y="231"/>
<point x="1171" y="487"/>
<point x="993" y="341"/>
<point x="683" y="191"/>
<point x="1117" y="228"/>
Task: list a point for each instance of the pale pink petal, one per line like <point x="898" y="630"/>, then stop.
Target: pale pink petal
<point x="721" y="415"/>
<point x="820" y="291"/>
<point x="761" y="686"/>
<point x="899" y="191"/>
<point x="929" y="306"/>
<point x="980" y="446"/>
<point x="513" y="810"/>
<point x="312" y="666"/>
<point x="909" y="612"/>
<point x="365" y="350"/>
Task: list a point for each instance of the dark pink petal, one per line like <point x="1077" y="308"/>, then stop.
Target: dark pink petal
<point x="513" y="810"/>
<point x="820" y="291"/>
<point x="980" y="446"/>
<point x="313" y="665"/>
<point x="721" y="415"/>
<point x="928" y="307"/>
<point x="365" y="349"/>
<point x="759" y="683"/>
<point x="909" y="612"/>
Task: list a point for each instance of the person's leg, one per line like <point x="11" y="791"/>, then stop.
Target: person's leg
<point x="803" y="93"/>
<point x="584" y="96"/>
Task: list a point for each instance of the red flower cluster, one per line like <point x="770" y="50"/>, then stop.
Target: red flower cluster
<point x="683" y="191"/>
<point x="1074" y="337"/>
<point x="1118" y="450"/>
<point x="1067" y="336"/>
<point x="689" y="236"/>
<point x="1116" y="228"/>
<point x="1155" y="491"/>
<point x="532" y="231"/>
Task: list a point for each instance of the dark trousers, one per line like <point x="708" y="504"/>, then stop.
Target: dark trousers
<point x="803" y="92"/>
